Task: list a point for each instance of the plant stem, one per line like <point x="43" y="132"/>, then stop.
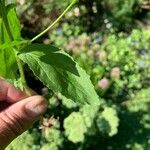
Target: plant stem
<point x="22" y="75"/>
<point x="55" y="22"/>
<point x="21" y="71"/>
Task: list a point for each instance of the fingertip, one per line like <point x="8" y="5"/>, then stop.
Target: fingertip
<point x="20" y="116"/>
<point x="36" y="106"/>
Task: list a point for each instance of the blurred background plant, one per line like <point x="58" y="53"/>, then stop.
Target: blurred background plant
<point x="110" y="39"/>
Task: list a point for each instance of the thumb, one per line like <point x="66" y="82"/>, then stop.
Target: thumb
<point x="19" y="117"/>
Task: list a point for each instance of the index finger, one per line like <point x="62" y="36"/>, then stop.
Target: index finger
<point x="9" y="93"/>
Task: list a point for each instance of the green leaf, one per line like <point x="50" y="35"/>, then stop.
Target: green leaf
<point x="14" y="23"/>
<point x="7" y="55"/>
<point x="8" y="64"/>
<point x="59" y="72"/>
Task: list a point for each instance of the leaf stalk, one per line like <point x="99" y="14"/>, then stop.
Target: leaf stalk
<point x="55" y="22"/>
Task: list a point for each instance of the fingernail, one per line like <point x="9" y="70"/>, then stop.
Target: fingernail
<point x="36" y="107"/>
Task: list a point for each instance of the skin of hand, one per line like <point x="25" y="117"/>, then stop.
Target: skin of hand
<point x="18" y="112"/>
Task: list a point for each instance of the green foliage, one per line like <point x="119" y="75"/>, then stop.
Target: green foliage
<point x="108" y="121"/>
<point x="56" y="70"/>
<point x="96" y="123"/>
<point x="75" y="127"/>
<point x="140" y="102"/>
<point x="8" y="18"/>
<point x="50" y="5"/>
<point x="53" y="136"/>
<point x="89" y="114"/>
<point x="133" y="121"/>
<point x="113" y="15"/>
<point x="59" y="72"/>
<point x="23" y="142"/>
<point x="90" y="121"/>
<point x="49" y="147"/>
<point x="117" y="62"/>
<point x="117" y="59"/>
<point x="119" y="66"/>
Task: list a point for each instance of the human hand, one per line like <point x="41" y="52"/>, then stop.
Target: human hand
<point x="18" y="112"/>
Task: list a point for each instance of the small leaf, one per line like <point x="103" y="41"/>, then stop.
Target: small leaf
<point x="14" y="22"/>
<point x="14" y="26"/>
<point x="60" y="73"/>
